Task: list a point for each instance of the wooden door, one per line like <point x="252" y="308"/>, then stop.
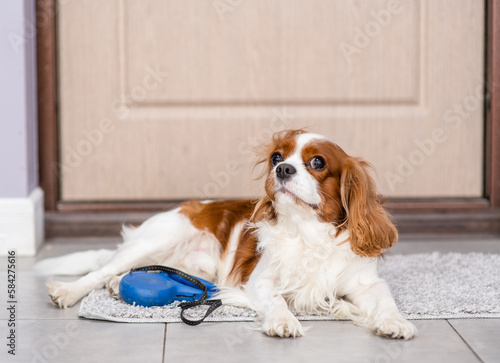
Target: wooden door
<point x="164" y="99"/>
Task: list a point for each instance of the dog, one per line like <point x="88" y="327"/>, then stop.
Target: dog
<point x="311" y="244"/>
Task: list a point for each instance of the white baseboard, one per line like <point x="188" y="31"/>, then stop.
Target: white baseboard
<point x="22" y="224"/>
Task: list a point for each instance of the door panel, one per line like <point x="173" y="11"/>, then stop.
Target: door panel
<point x="164" y="99"/>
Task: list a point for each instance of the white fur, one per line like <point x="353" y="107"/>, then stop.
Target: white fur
<point x="303" y="267"/>
<point x="306" y="138"/>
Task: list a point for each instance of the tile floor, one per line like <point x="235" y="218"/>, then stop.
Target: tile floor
<point x="48" y="334"/>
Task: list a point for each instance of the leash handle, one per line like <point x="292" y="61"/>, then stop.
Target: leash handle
<point x="213" y="304"/>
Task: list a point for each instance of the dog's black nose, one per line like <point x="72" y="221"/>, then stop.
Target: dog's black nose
<point x="285" y="171"/>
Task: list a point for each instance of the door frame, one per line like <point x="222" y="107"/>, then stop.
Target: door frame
<point x="422" y="216"/>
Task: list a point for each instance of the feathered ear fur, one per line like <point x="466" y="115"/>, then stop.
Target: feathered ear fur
<point x="263" y="210"/>
<point x="371" y="230"/>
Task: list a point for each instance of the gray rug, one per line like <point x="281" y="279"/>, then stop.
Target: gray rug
<point x="424" y="286"/>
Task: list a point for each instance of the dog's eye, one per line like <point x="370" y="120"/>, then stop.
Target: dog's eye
<point x="276" y="158"/>
<point x="317" y="163"/>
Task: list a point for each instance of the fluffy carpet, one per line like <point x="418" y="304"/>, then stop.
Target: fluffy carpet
<point x="425" y="286"/>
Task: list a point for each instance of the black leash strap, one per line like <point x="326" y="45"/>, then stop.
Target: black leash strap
<point x="214" y="304"/>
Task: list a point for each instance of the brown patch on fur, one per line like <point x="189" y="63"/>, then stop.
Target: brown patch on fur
<point x="246" y="257"/>
<point x="218" y="217"/>
<point x="330" y="208"/>
<point x="370" y="227"/>
<point x="263" y="210"/>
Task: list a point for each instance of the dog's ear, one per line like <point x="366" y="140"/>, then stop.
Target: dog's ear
<point x="371" y="230"/>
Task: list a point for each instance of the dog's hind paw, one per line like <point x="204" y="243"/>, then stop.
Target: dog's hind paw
<point x="61" y="294"/>
<point x="113" y="286"/>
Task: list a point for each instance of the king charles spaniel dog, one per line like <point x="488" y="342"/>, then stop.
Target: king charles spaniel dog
<point x="310" y="245"/>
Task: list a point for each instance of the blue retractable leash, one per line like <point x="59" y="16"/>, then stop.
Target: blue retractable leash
<point x="157" y="285"/>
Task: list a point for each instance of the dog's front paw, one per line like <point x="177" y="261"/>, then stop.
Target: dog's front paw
<point x="284" y="325"/>
<point x="395" y="327"/>
<point x="61" y="294"/>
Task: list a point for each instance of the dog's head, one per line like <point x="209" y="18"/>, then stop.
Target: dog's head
<point x="311" y="173"/>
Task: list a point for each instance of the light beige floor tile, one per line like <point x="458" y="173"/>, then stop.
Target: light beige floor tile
<point x="73" y="341"/>
<point x="482" y="335"/>
<point x="324" y="342"/>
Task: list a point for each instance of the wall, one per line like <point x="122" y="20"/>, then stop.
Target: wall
<point x="21" y="199"/>
<point x="18" y="121"/>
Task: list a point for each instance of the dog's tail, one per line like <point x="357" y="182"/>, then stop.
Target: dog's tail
<point x="78" y="263"/>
